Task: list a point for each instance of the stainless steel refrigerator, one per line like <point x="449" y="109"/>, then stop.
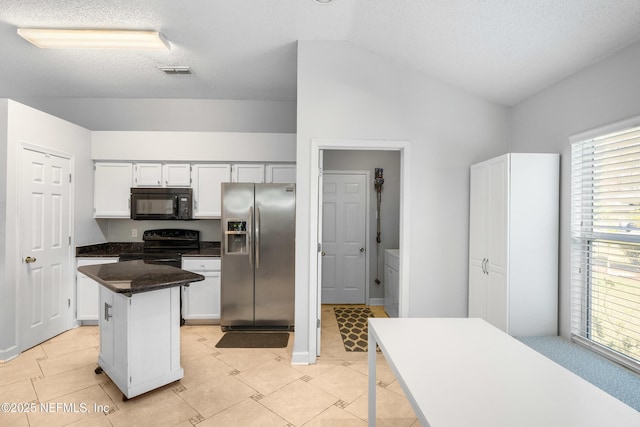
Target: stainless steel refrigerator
<point x="258" y="256"/>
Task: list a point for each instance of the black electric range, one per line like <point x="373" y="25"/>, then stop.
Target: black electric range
<point x="165" y="246"/>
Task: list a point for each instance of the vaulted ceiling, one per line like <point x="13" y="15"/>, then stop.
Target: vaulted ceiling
<point x="504" y="51"/>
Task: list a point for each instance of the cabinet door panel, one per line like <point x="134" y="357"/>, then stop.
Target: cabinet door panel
<point x="176" y="174"/>
<point x="148" y="174"/>
<point x="112" y="190"/>
<point x="207" y="191"/>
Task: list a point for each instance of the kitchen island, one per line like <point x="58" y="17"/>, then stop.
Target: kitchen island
<point x="139" y="323"/>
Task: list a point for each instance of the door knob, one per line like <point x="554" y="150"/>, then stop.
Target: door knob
<point x="29" y="260"/>
<point x="323" y="253"/>
<point x="361" y="249"/>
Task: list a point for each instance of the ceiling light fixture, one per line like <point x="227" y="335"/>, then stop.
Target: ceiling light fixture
<point x="323" y="1"/>
<point x="52" y="38"/>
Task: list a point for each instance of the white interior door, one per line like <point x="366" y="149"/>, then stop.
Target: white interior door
<point x="45" y="280"/>
<point x="344" y="238"/>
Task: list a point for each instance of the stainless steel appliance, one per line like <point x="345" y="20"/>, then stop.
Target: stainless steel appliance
<point x="258" y="256"/>
<point x="161" y="203"/>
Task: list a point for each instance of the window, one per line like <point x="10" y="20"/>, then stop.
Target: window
<point x="605" y="236"/>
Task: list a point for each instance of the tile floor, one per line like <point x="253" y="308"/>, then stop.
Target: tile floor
<point x="221" y="387"/>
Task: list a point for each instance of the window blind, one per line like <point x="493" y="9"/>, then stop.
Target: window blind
<point x="605" y="232"/>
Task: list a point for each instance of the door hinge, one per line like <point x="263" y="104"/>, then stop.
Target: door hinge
<point x="319" y="247"/>
<point x="317" y="323"/>
<point x="69" y="177"/>
<point x="69" y="302"/>
<point x="69" y="240"/>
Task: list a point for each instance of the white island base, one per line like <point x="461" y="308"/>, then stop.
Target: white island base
<point x="140" y="339"/>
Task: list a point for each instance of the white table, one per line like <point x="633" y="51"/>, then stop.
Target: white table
<point x="465" y="372"/>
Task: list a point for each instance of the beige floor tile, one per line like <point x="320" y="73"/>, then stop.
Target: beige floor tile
<point x="18" y="392"/>
<point x="247" y="413"/>
<point x="216" y="395"/>
<point x="13" y="419"/>
<point x="85" y="357"/>
<point x="244" y="358"/>
<point x="336" y="417"/>
<point x="389" y="405"/>
<point x="61" y="347"/>
<point x="298" y="402"/>
<point x="383" y="370"/>
<point x="342" y="382"/>
<point x="192" y="348"/>
<point x="269" y="376"/>
<point x="203" y="370"/>
<point x="75" y="333"/>
<point x="18" y="370"/>
<point x="152" y="409"/>
<point x="54" y="386"/>
<point x="85" y="405"/>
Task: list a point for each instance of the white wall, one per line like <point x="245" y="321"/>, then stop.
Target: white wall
<point x="348" y="93"/>
<point x="27" y="125"/>
<point x="606" y="92"/>
<point x="195" y="115"/>
<point x="194" y="146"/>
<point x="7" y="290"/>
<point x="389" y="161"/>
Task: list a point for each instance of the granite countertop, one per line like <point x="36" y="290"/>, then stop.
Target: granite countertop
<point x="114" y="249"/>
<point x="132" y="277"/>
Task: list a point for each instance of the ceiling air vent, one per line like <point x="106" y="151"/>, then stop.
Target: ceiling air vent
<point x="175" y="70"/>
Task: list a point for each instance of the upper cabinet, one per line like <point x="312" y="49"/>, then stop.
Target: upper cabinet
<point x="176" y="174"/>
<point x="112" y="190"/>
<point x="162" y="175"/>
<point x="247" y="173"/>
<point x="207" y="180"/>
<point x="281" y="173"/>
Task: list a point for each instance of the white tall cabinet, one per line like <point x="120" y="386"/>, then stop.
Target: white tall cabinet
<point x="513" y="243"/>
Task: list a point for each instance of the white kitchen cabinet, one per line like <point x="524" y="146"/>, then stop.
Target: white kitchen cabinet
<point x="148" y="175"/>
<point x="201" y="300"/>
<point x="207" y="180"/>
<point x="162" y="174"/>
<point x="391" y="282"/>
<point x="247" y="173"/>
<point x="87" y="298"/>
<point x="280" y="173"/>
<point x="176" y="174"/>
<point x="112" y="189"/>
<point x="140" y="339"/>
<point x="513" y="243"/>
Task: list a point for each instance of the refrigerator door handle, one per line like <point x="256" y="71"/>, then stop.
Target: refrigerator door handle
<point x="250" y="243"/>
<point x="257" y="238"/>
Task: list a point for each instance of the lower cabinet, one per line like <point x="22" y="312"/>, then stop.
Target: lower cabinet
<point x="391" y="282"/>
<point x="201" y="300"/>
<point x="140" y="339"/>
<point x="87" y="290"/>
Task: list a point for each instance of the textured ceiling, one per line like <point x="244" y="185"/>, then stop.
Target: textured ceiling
<point x="504" y="51"/>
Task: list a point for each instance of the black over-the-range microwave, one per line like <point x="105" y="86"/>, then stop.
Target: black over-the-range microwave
<point x="161" y="203"/>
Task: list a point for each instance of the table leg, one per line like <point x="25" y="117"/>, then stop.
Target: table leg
<point x="371" y="355"/>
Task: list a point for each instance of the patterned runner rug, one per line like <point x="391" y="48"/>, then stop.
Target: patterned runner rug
<point x="352" y="322"/>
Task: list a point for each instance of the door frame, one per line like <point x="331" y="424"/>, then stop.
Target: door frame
<point x="18" y="255"/>
<point x="315" y="289"/>
<point x="367" y="206"/>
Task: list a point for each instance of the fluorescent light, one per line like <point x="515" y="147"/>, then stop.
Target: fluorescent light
<point x="93" y="39"/>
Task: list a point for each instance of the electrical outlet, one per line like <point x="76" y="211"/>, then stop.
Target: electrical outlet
<point x="134" y="232"/>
